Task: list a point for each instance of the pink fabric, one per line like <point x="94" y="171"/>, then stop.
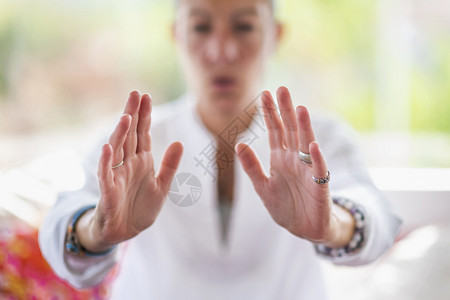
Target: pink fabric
<point x="24" y="273"/>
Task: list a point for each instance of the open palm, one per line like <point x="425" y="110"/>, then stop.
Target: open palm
<point x="293" y="199"/>
<point x="131" y="194"/>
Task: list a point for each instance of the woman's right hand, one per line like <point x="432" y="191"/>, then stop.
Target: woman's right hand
<point x="131" y="194"/>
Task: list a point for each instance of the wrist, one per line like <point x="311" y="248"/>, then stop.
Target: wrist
<point x="342" y="228"/>
<point x="89" y="234"/>
<point x="81" y="240"/>
<point x="336" y="248"/>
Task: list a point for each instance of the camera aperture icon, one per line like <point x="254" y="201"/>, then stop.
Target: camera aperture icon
<point x="185" y="189"/>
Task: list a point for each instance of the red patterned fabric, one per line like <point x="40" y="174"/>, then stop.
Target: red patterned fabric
<point x="24" y="273"/>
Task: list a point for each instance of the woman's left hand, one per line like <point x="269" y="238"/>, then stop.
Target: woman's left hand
<point x="294" y="200"/>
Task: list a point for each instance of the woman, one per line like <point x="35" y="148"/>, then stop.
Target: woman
<point x="246" y="234"/>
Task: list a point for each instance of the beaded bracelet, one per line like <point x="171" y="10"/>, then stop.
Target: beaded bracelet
<point x="72" y="243"/>
<point x="359" y="235"/>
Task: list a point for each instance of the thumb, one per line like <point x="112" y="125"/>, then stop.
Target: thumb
<point x="251" y="165"/>
<point x="169" y="164"/>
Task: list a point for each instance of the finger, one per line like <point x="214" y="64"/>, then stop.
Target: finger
<point x="319" y="166"/>
<point x="143" y="126"/>
<point x="288" y="116"/>
<point x="104" y="172"/>
<point x="118" y="137"/>
<point x="251" y="165"/>
<point x="169" y="164"/>
<point x="273" y="122"/>
<point x="132" y="108"/>
<point x="306" y="132"/>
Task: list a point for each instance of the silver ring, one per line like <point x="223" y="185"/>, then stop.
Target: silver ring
<point x="305" y="158"/>
<point x="118" y="165"/>
<point x="322" y="180"/>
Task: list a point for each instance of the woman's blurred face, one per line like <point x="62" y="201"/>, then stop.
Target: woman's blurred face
<point x="224" y="45"/>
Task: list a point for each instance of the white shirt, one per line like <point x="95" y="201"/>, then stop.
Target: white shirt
<point x="181" y="255"/>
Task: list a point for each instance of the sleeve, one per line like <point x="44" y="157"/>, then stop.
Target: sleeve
<point x="81" y="272"/>
<point x="351" y="180"/>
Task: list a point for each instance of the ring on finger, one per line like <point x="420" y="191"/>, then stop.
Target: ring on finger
<point x="305" y="158"/>
<point x="322" y="180"/>
<point x="118" y="165"/>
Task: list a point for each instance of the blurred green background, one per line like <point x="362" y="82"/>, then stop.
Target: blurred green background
<point x="384" y="66"/>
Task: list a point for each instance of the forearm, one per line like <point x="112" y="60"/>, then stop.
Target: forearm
<point x="80" y="271"/>
<point x="375" y="229"/>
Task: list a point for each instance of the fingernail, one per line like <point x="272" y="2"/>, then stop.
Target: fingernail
<point x="236" y="147"/>
<point x="105" y="146"/>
